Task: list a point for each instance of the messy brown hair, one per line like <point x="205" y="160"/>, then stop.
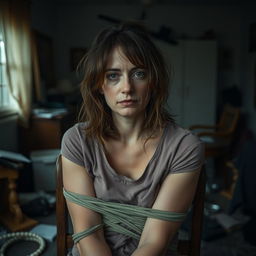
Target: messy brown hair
<point x="135" y="43"/>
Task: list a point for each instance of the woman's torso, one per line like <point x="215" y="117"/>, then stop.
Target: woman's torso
<point x="142" y="189"/>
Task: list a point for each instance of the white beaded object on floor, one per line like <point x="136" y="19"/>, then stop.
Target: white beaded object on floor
<point x="27" y="236"/>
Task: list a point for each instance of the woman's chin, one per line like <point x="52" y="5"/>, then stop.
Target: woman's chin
<point x="129" y="113"/>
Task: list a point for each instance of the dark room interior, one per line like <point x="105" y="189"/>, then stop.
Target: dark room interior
<point x="209" y="48"/>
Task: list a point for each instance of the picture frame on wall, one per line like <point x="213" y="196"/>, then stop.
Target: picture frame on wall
<point x="76" y="55"/>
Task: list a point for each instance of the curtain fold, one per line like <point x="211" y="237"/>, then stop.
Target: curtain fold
<point x="15" y="27"/>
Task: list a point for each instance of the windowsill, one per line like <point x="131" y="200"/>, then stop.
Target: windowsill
<point x="7" y="112"/>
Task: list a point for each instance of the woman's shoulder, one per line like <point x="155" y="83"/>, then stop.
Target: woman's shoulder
<point x="77" y="129"/>
<point x="186" y="149"/>
<point x="179" y="135"/>
<point x="75" y="136"/>
<point x="74" y="145"/>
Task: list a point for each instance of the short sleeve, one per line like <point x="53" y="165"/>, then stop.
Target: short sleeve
<point x="190" y="155"/>
<point x="71" y="146"/>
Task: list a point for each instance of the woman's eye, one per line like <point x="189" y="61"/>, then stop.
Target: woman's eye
<point x="112" y="76"/>
<point x="139" y="75"/>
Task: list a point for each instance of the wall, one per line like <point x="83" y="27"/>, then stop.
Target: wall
<point x="9" y="138"/>
<point x="43" y="16"/>
<point x="248" y="68"/>
<point x="76" y="24"/>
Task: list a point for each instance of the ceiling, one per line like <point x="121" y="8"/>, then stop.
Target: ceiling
<point x="107" y="2"/>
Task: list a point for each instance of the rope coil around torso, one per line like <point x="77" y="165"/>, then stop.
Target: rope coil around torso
<point x="122" y="218"/>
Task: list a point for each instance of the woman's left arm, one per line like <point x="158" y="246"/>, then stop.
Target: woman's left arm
<point x="176" y="195"/>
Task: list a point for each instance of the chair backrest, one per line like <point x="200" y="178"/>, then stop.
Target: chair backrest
<point x="228" y="120"/>
<point x="64" y="239"/>
<point x="192" y="246"/>
<point x="185" y="247"/>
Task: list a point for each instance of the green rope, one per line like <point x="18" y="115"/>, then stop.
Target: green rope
<point x="121" y="218"/>
<point x="78" y="236"/>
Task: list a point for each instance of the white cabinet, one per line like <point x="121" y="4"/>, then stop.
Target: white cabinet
<point x="193" y="65"/>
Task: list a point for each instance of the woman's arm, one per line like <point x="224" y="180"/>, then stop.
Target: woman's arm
<point x="176" y="194"/>
<point x="76" y="179"/>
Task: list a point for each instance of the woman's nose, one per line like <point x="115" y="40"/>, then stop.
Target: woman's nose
<point x="126" y="85"/>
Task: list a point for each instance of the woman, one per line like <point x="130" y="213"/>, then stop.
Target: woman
<point x="128" y="150"/>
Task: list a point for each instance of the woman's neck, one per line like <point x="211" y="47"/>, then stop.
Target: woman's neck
<point x="130" y="129"/>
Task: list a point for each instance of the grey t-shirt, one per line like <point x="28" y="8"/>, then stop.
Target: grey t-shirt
<point x="178" y="151"/>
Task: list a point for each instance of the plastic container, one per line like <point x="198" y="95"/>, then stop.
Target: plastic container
<point x="44" y="168"/>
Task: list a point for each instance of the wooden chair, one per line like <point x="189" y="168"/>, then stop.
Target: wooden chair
<point x="218" y="137"/>
<point x="185" y="247"/>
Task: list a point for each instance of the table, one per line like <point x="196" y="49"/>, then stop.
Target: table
<point x="11" y="215"/>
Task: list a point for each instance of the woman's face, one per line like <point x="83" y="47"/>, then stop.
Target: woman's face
<point x="125" y="87"/>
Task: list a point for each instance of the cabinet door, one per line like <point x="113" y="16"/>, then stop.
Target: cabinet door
<point x="200" y="75"/>
<point x="192" y="98"/>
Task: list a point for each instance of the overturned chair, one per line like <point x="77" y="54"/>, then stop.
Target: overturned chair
<point x="189" y="247"/>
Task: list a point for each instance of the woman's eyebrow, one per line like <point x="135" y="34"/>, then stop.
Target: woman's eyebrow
<point x="113" y="69"/>
<point x="118" y="69"/>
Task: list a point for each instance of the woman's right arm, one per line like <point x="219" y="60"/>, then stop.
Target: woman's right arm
<point x="76" y="179"/>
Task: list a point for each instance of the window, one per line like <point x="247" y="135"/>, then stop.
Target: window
<point x="4" y="91"/>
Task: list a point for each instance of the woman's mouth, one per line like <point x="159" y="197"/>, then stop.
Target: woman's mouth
<point x="127" y="102"/>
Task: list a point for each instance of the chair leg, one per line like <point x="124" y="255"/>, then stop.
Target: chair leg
<point x="197" y="217"/>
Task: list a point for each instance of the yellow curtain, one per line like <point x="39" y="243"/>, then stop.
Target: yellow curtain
<point x="15" y="27"/>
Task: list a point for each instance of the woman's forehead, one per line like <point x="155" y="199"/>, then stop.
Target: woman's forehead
<point x="119" y="56"/>
<point x="118" y="59"/>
